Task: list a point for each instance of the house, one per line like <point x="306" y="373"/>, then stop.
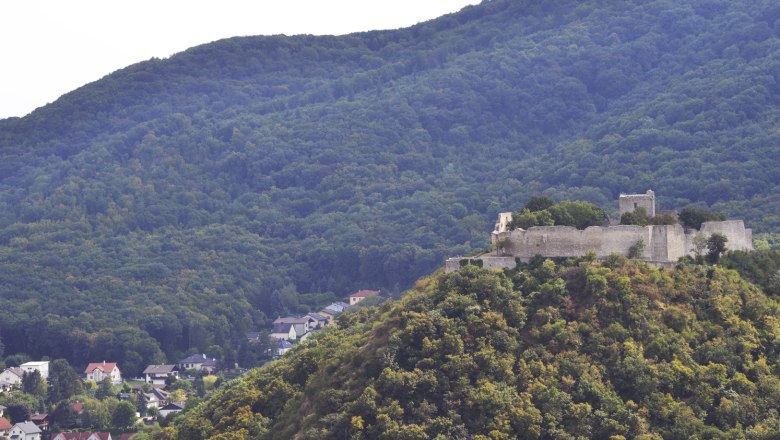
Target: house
<point x="5" y="427"/>
<point x="155" y="398"/>
<point x="11" y="377"/>
<point x="171" y="408"/>
<point x="41" y="420"/>
<point x="334" y="309"/>
<point x="302" y="324"/>
<point x="25" y="431"/>
<point x="284" y="331"/>
<point x="281" y="347"/>
<point x="82" y="436"/>
<point x="322" y="321"/>
<point x="157" y="374"/>
<point x="39" y="366"/>
<point x="100" y="370"/>
<point x="198" y="362"/>
<point x="360" y="295"/>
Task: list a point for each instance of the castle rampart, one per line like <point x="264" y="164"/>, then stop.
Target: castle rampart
<point x="663" y="244"/>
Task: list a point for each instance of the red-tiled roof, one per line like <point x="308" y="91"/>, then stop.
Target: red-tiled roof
<point x="364" y="293"/>
<point x="106" y="367"/>
<point x="77" y="406"/>
<point x="5" y="425"/>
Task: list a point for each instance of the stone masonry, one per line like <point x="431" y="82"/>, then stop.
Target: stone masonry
<point x="663" y="244"/>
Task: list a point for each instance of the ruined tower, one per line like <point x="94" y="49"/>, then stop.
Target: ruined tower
<point x="629" y="202"/>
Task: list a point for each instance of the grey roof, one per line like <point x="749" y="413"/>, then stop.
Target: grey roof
<point x="293" y="320"/>
<point x="196" y="359"/>
<point x="15" y="370"/>
<point x="317" y="316"/>
<point x="281" y="328"/>
<point x="284" y="344"/>
<point x="160" y="369"/>
<point x="172" y="407"/>
<point x="28" y="428"/>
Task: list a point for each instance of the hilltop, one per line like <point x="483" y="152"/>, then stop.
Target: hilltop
<point x="176" y="204"/>
<point x="580" y="349"/>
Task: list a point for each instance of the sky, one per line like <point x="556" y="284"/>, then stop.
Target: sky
<point x="50" y="47"/>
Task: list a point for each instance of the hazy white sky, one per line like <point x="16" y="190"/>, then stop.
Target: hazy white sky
<point x="50" y="47"/>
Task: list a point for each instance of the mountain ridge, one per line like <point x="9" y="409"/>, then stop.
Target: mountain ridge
<point x="280" y="173"/>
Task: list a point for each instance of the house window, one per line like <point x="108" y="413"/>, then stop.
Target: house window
<point x="635" y="204"/>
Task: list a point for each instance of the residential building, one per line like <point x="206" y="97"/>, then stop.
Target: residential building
<point x="25" y="431"/>
<point x="360" y="295"/>
<point x="40" y="366"/>
<point x="281" y="347"/>
<point x="284" y="331"/>
<point x="5" y="427"/>
<point x="157" y="374"/>
<point x="11" y="378"/>
<point x="302" y="324"/>
<point x="171" y="408"/>
<point x="98" y="371"/>
<point x="198" y="362"/>
<point x="41" y="420"/>
<point x="82" y="436"/>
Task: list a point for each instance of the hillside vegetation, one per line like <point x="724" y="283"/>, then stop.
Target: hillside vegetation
<point x="555" y="351"/>
<point x="175" y="204"/>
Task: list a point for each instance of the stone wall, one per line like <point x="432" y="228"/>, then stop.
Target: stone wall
<point x="453" y="264"/>
<point x="739" y="238"/>
<point x="663" y="243"/>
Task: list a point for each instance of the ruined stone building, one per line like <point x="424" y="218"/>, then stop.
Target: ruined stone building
<point x="663" y="244"/>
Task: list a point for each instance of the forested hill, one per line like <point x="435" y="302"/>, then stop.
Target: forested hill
<point x="175" y="204"/>
<point x="609" y="350"/>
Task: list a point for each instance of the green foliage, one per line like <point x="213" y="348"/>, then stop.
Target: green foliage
<point x="63" y="381"/>
<point x="548" y="350"/>
<point x="637" y="217"/>
<point x="636" y="249"/>
<point x="34" y="384"/>
<point x="694" y="217"/>
<point x="716" y="246"/>
<point x="165" y="208"/>
<point x="577" y="214"/>
<point x="123" y="416"/>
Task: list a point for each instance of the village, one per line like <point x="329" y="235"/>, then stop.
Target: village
<point x="158" y="395"/>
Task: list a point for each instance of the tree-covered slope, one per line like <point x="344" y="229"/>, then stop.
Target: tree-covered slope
<point x="583" y="350"/>
<point x="176" y="203"/>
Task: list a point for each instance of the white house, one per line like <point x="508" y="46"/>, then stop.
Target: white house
<point x="82" y="436"/>
<point x="284" y="331"/>
<point x="98" y="371"/>
<point x="25" y="431"/>
<point x="198" y="362"/>
<point x="10" y="377"/>
<point x="157" y="374"/>
<point x="171" y="408"/>
<point x="360" y="295"/>
<point x="39" y="366"/>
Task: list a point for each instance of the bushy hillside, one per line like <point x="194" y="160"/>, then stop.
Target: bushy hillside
<point x="177" y="203"/>
<point x="579" y="350"/>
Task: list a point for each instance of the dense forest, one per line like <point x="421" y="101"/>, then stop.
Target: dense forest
<point x="176" y="204"/>
<point x="574" y="349"/>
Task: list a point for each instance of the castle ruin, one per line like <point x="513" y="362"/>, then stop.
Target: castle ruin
<point x="663" y="244"/>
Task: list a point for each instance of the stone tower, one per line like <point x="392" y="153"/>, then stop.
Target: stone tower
<point x="629" y="202"/>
